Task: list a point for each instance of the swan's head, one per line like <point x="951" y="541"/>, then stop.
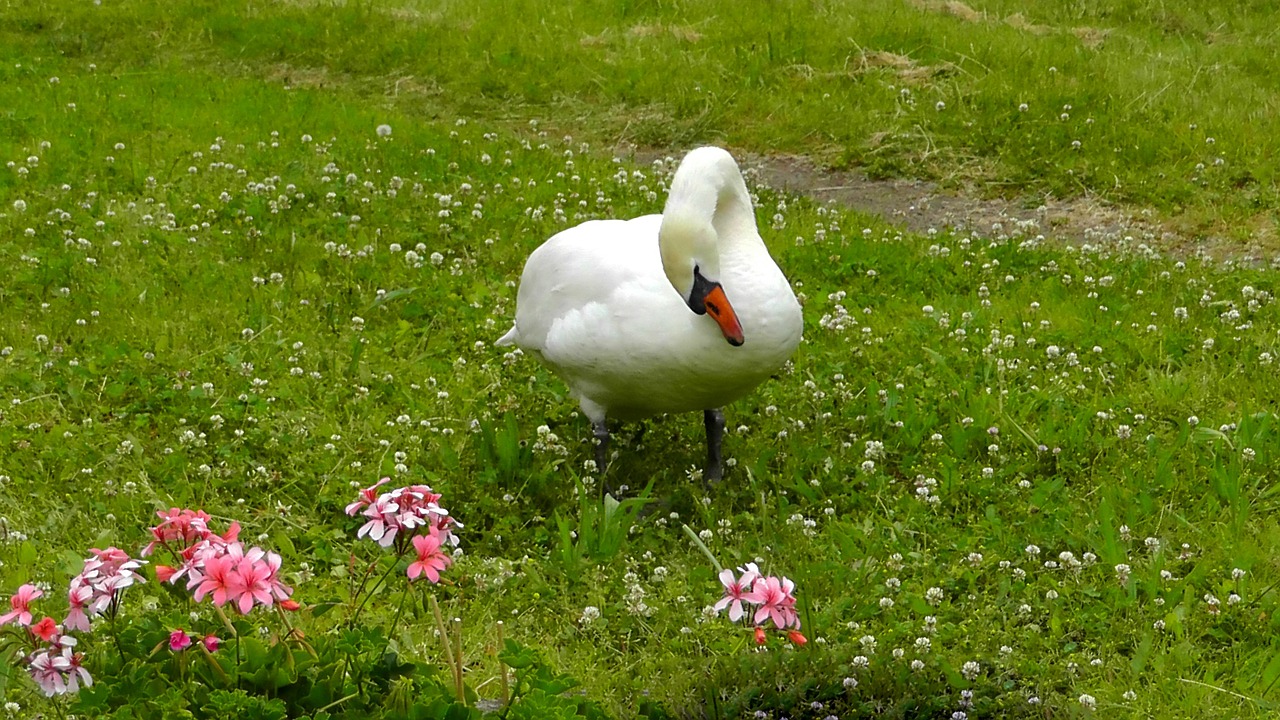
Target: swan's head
<point x="691" y="261"/>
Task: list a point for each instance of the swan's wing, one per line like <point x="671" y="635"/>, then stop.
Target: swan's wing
<point x="581" y="277"/>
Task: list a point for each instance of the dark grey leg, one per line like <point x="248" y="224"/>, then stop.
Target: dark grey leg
<point x="714" y="420"/>
<point x="601" y="432"/>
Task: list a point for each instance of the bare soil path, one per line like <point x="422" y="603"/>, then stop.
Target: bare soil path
<point x="921" y="206"/>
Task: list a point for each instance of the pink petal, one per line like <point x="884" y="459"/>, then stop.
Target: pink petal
<point x="761" y="615"/>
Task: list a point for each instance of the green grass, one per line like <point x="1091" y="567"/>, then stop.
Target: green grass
<point x="208" y="355"/>
<point x="1174" y="105"/>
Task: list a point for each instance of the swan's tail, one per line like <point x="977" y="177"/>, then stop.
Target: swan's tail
<point x="508" y="339"/>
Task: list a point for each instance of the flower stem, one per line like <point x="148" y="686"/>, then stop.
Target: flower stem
<point x="448" y="649"/>
<point x="697" y="542"/>
<point x="502" y="667"/>
<point x="115" y="631"/>
<point x="213" y="663"/>
<point x="457" y="648"/>
<point x="337" y="702"/>
<point x="376" y="585"/>
<point x="226" y="622"/>
<point x="396" y="620"/>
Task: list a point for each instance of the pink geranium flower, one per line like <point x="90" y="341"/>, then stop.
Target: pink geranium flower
<point x="78" y="598"/>
<point x="278" y="589"/>
<point x="46" y="629"/>
<point x="367" y="497"/>
<point x="100" y="582"/>
<point x="776" y="602"/>
<point x="21" y="604"/>
<point x="393" y="513"/>
<point x="211" y="643"/>
<point x="383" y="522"/>
<point x="735" y="590"/>
<point x="75" y="672"/>
<point x="179" y="640"/>
<point x="250" y="583"/>
<point x="165" y="573"/>
<point x="219" y="579"/>
<point x="431" y="561"/>
<point x="177" y="526"/>
<point x="49" y="671"/>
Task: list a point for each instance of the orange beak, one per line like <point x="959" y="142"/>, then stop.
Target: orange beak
<point x="721" y="311"/>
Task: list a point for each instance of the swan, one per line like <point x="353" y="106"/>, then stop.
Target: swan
<point x="677" y="312"/>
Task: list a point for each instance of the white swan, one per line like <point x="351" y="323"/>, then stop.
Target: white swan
<point x="665" y="313"/>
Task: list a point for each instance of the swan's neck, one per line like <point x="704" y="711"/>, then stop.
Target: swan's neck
<point x="708" y="189"/>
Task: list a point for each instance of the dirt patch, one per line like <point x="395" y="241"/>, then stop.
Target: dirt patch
<point x="1090" y="37"/>
<point x="299" y="77"/>
<point x="921" y="207"/>
<point x="682" y="33"/>
<point x="1020" y="22"/>
<point x="952" y="7"/>
<point x="900" y="65"/>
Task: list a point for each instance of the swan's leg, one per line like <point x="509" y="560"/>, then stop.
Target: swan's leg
<point x="601" y="433"/>
<point x="714" y="420"/>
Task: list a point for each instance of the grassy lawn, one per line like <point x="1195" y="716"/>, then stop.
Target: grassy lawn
<point x="1043" y="476"/>
<point x="1170" y="106"/>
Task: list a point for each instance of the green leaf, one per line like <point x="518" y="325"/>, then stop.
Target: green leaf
<point x="1143" y="651"/>
<point x="516" y="656"/>
<point x="1271" y="673"/>
<point x="27" y="555"/>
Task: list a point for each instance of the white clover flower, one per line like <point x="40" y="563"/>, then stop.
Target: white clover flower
<point x="1122" y="573"/>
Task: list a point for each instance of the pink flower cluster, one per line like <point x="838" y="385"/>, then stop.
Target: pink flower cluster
<point x="53" y="664"/>
<point x="58" y="671"/>
<point x="98" y="584"/>
<point x="404" y="516"/>
<point x="218" y="566"/>
<point x="774" y="598"/>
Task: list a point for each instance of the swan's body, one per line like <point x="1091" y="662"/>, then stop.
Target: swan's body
<point x="599" y="305"/>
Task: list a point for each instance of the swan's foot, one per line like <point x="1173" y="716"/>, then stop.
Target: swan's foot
<point x="714" y="420"/>
<point x="601" y="433"/>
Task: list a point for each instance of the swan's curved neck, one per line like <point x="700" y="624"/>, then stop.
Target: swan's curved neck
<point x="708" y="188"/>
